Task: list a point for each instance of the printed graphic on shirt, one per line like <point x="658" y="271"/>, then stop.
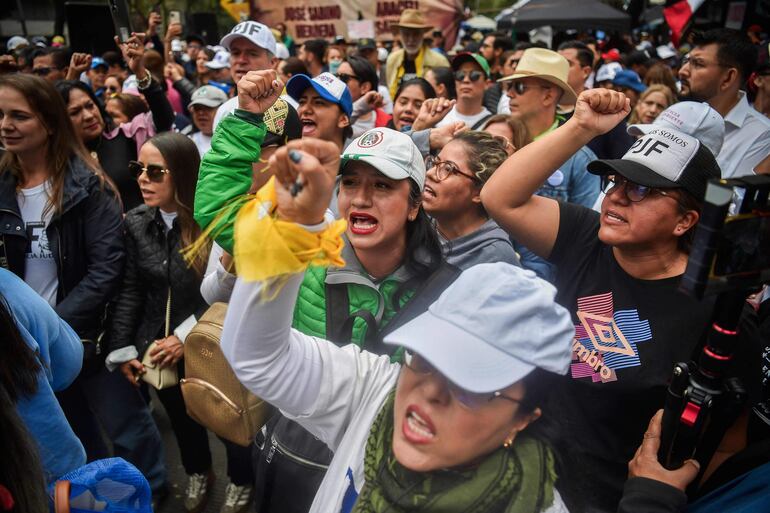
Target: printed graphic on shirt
<point x="37" y="241"/>
<point x="606" y="340"/>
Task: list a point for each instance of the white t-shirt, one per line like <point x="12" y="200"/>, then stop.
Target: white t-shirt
<point x="203" y="142"/>
<point x="454" y="116"/>
<point x="40" y="272"/>
<point x="225" y="109"/>
<point x="168" y="218"/>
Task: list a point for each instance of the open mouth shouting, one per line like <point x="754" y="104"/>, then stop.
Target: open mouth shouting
<point x="417" y="427"/>
<point x="308" y="127"/>
<point x="361" y="223"/>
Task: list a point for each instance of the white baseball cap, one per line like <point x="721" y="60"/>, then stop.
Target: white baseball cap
<point x="665" y="52"/>
<point x="490" y="328"/>
<point x="328" y="87"/>
<point x="208" y="96"/>
<point x="697" y="119"/>
<point x="255" y="32"/>
<point x="16" y="42"/>
<point x="281" y="51"/>
<point x="221" y="60"/>
<point x="607" y="71"/>
<point x="391" y="152"/>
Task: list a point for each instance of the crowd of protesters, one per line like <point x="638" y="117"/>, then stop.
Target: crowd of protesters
<point x="489" y="314"/>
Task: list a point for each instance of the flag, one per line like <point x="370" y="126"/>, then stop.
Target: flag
<point x="678" y="16"/>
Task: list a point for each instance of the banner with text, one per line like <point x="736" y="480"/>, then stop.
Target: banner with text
<point x="310" y="19"/>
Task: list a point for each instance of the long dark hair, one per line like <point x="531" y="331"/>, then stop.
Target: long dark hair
<point x="19" y="366"/>
<point x="63" y="143"/>
<point x="20" y="469"/>
<point x="423" y="250"/>
<point x="65" y="88"/>
<point x="183" y="160"/>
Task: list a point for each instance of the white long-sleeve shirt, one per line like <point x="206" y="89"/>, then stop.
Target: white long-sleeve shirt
<point x="333" y="392"/>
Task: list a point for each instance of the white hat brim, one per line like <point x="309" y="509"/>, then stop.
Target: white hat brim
<point x="463" y="358"/>
<point x="383" y="165"/>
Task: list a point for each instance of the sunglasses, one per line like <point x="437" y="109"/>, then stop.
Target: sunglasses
<point x="445" y="168"/>
<point x="41" y="72"/>
<point x="474" y="75"/>
<point x="633" y="191"/>
<point x="345" y="77"/>
<point x="466" y="399"/>
<point x="521" y="87"/>
<point x="154" y="172"/>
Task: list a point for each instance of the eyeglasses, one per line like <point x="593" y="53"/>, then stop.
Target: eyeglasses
<point x="633" y="191"/>
<point x="474" y="75"/>
<point x="154" y="172"/>
<point x="445" y="168"/>
<point x="345" y="77"/>
<point x="521" y="87"/>
<point x="512" y="63"/>
<point x="41" y="72"/>
<point x="466" y="399"/>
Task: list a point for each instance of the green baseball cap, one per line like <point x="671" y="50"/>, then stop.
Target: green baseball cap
<point x="464" y="57"/>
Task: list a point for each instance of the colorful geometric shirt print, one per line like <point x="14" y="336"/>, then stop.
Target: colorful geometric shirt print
<point x="606" y="340"/>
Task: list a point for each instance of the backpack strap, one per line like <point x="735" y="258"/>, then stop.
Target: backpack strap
<point x="480" y="122"/>
<point x="425" y="295"/>
<point x="337" y="313"/>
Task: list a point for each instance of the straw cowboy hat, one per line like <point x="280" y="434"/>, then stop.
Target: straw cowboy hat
<point x="546" y="65"/>
<point x="412" y="19"/>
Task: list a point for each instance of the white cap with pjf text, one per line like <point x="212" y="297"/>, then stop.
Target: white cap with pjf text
<point x="255" y="32"/>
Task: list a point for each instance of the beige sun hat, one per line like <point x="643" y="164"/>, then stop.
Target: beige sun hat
<point x="546" y="65"/>
<point x="412" y="19"/>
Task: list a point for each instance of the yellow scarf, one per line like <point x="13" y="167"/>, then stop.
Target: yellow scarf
<point x="267" y="248"/>
<point x="402" y="69"/>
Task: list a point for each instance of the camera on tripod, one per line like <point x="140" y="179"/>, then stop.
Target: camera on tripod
<point x="730" y="257"/>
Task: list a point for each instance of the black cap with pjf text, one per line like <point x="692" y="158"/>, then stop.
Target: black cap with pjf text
<point x="667" y="159"/>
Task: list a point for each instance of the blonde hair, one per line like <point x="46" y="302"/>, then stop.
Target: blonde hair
<point x="654" y="88"/>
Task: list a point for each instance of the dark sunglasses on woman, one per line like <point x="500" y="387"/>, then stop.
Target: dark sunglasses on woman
<point x="154" y="172"/>
<point x="345" y="77"/>
<point x="475" y="76"/>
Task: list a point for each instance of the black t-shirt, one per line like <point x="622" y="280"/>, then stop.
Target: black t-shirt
<point x="629" y="333"/>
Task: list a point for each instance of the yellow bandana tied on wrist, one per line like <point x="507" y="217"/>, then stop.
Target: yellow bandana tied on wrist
<point x="267" y="248"/>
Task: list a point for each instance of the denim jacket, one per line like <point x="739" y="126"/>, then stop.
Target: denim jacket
<point x="572" y="182"/>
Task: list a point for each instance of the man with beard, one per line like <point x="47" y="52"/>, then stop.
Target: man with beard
<point x="252" y="48"/>
<point x="415" y="58"/>
<point x="312" y="54"/>
<point x="714" y="72"/>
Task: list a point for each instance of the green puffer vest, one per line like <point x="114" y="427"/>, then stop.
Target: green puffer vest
<point x="363" y="294"/>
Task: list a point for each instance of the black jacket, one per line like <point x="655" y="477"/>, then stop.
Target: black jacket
<point x="86" y="240"/>
<point x="153" y="263"/>
<point x="114" y="154"/>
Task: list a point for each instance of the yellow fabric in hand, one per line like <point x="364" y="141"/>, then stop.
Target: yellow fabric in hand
<point x="267" y="248"/>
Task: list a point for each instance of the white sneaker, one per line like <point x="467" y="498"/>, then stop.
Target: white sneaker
<point x="197" y="492"/>
<point x="237" y="498"/>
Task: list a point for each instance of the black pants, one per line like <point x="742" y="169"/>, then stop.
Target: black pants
<point x="191" y="437"/>
<point x="193" y="440"/>
<point x="109" y="399"/>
